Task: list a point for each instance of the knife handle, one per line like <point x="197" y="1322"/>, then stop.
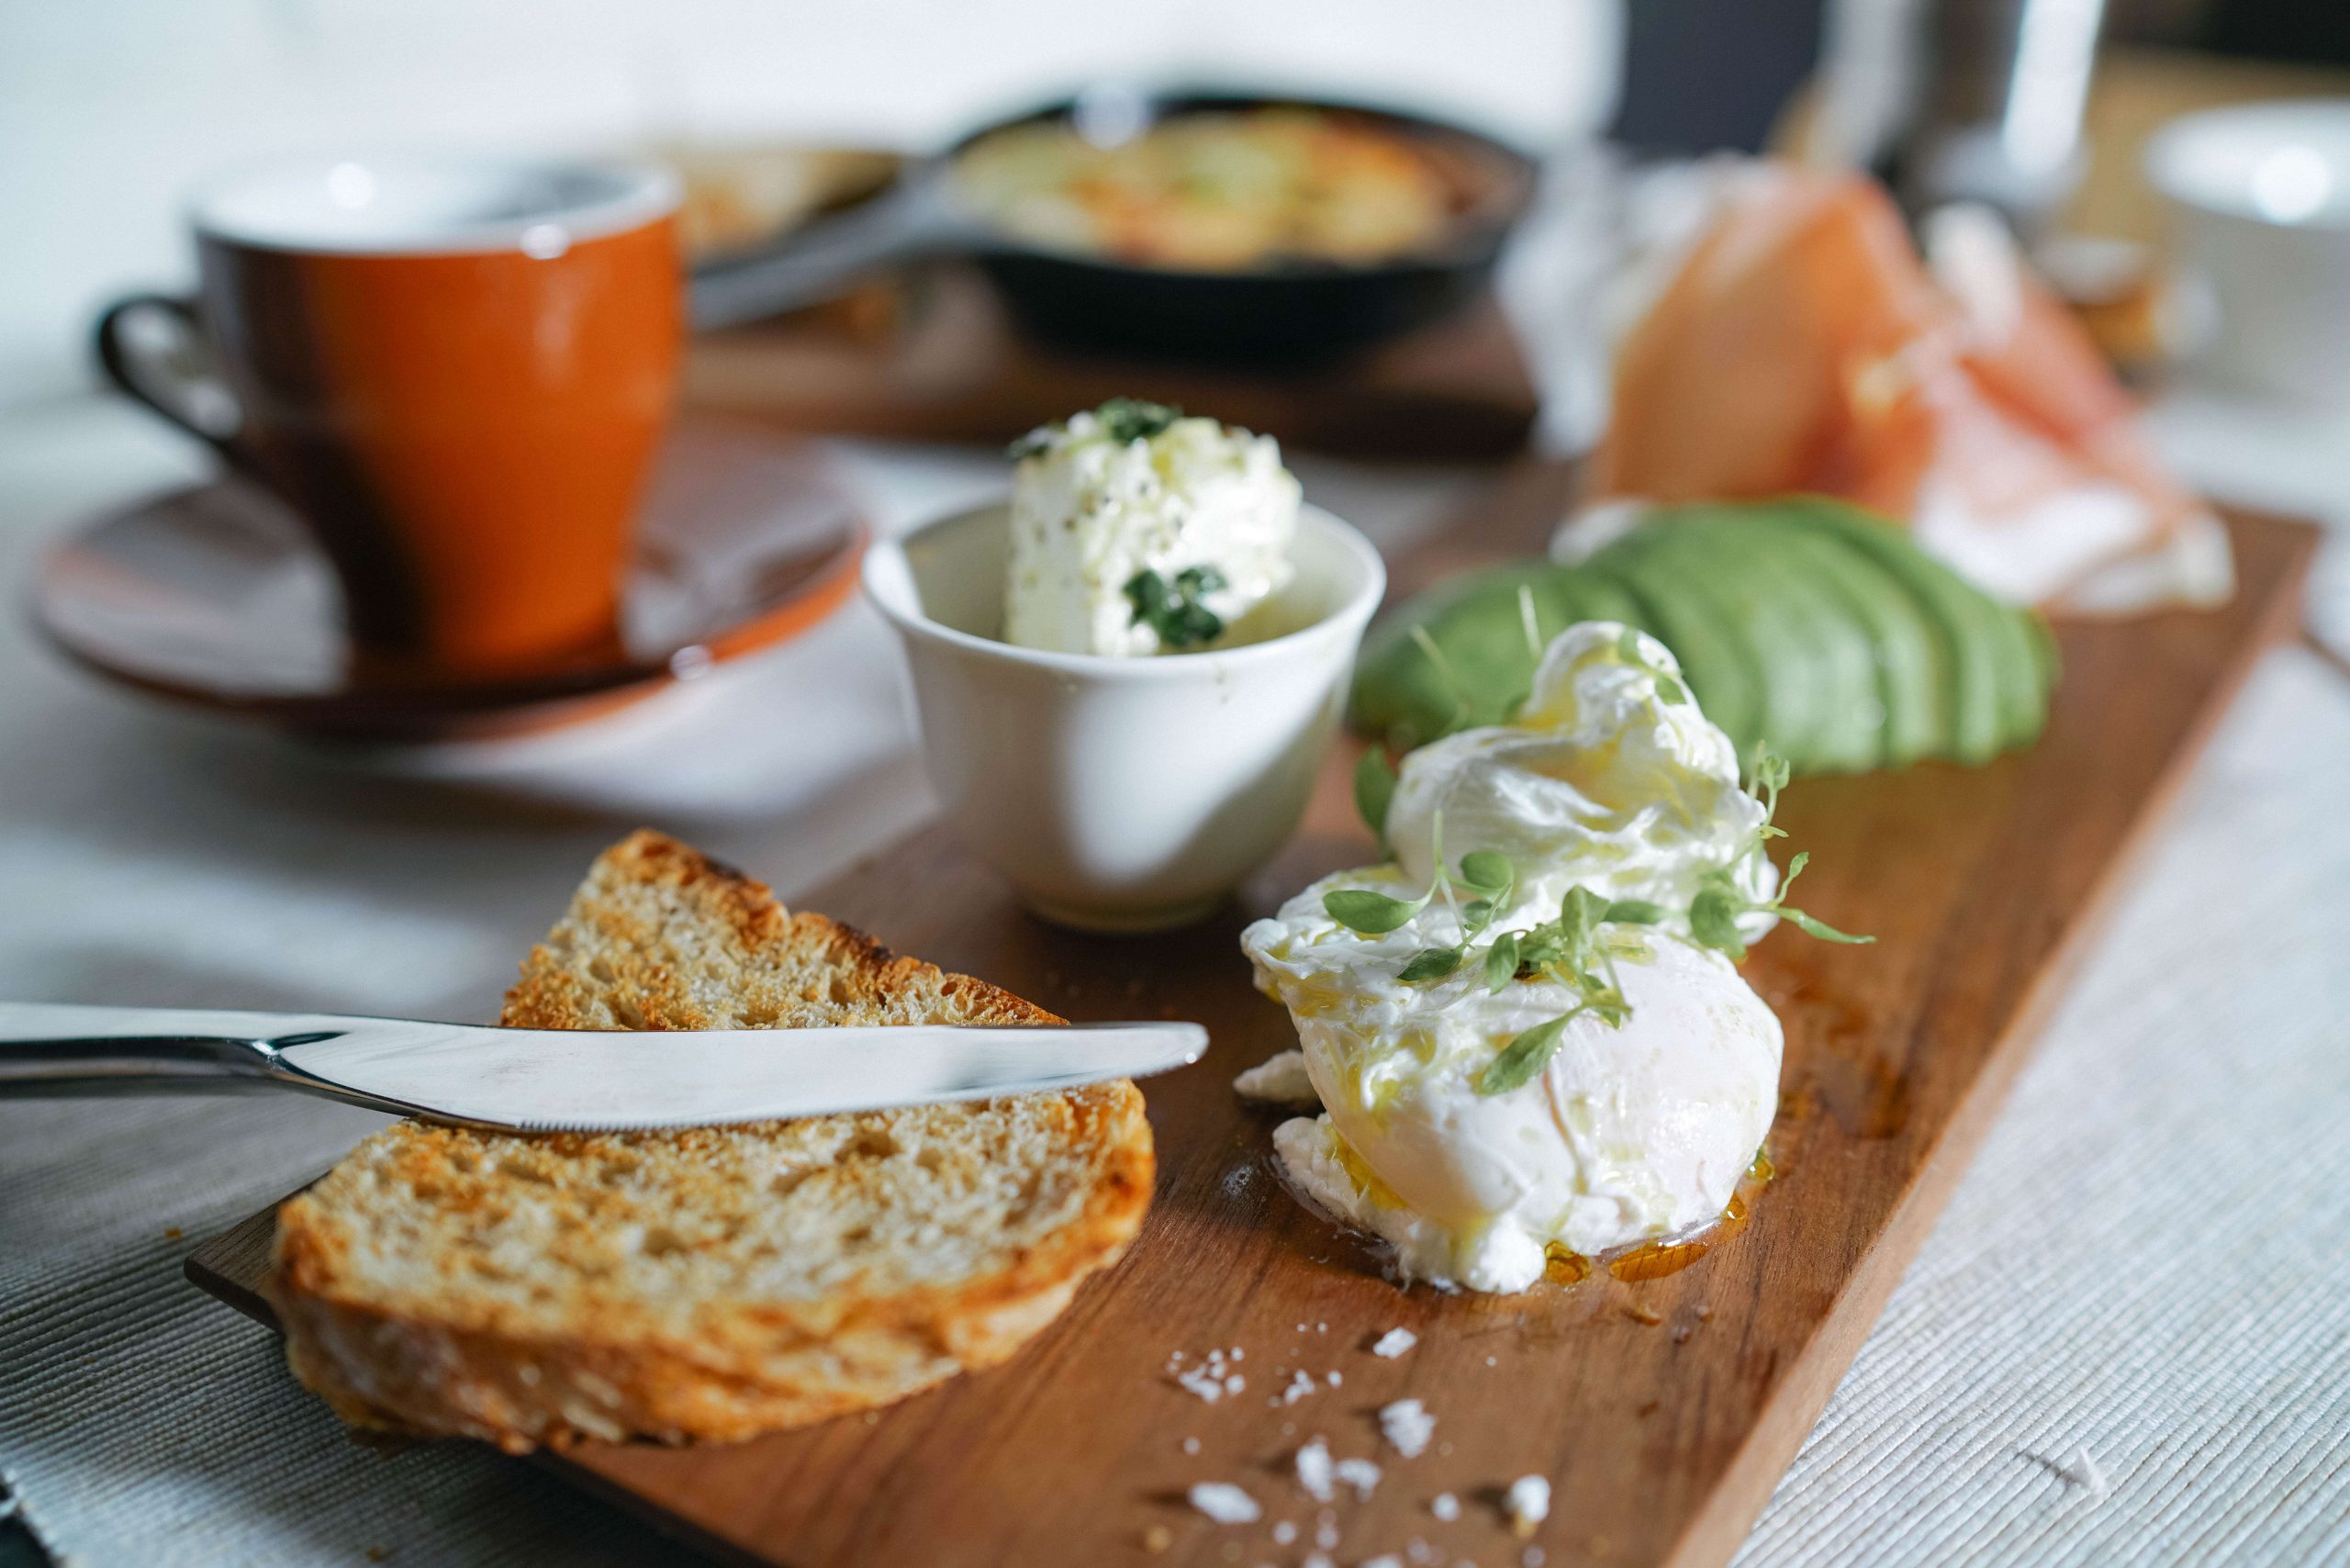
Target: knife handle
<point x="49" y="1050"/>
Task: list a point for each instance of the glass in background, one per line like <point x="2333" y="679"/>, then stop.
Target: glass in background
<point x="1963" y="100"/>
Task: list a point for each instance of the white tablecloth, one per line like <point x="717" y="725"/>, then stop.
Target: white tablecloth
<point x="2148" y="1262"/>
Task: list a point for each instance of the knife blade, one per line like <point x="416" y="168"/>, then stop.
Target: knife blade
<point x="570" y="1079"/>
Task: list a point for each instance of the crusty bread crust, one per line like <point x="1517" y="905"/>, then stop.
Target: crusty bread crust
<point x="440" y="1359"/>
<point x="661" y="921"/>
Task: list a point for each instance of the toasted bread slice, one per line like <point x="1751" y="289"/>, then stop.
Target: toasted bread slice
<point x="718" y="1282"/>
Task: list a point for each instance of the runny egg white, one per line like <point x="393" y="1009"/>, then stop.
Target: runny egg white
<point x="1612" y="779"/>
<point x="1604" y="779"/>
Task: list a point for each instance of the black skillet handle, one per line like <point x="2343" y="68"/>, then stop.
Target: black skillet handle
<point x="911" y="219"/>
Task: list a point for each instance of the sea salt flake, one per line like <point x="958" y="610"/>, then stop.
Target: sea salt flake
<point x="1284" y="1532"/>
<point x="1395" y="1343"/>
<point x="1528" y="1503"/>
<point x="1407" y="1425"/>
<point x="2082" y="1470"/>
<point x="1202" y="1383"/>
<point x="1445" y="1505"/>
<point x="1314" y="1468"/>
<point x="1359" y="1474"/>
<point x="2092" y="1475"/>
<point x="1225" y="1503"/>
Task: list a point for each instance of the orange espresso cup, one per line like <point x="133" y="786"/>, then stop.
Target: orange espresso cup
<point x="457" y="371"/>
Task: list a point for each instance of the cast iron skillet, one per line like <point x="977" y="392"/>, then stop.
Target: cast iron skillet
<point x="1293" y="312"/>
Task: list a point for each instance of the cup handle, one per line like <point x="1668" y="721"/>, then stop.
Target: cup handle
<point x="168" y="372"/>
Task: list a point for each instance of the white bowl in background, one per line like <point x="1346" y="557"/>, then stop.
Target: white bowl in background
<point x="2260" y="197"/>
<point x="1120" y="794"/>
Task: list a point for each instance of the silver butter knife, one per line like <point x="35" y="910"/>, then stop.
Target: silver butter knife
<point x="565" y="1079"/>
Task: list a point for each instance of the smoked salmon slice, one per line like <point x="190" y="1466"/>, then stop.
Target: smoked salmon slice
<point x="1803" y="345"/>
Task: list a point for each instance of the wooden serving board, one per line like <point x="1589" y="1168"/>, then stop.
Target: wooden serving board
<point x="1662" y="1409"/>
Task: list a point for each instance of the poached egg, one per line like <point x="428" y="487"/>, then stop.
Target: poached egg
<point x="1610" y="780"/>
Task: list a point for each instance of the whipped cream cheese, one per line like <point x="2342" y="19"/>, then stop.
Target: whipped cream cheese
<point x="1091" y="512"/>
<point x="1628" y="1133"/>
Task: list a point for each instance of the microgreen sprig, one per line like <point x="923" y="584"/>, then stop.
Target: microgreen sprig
<point x="1721" y="902"/>
<point x="1483" y="872"/>
<point x="1176" y="613"/>
<point x="1576" y="950"/>
<point x="1135" y="418"/>
<point x="1370" y="914"/>
<point x="1122" y="420"/>
<point x="1628" y="648"/>
<point x="1529" y="623"/>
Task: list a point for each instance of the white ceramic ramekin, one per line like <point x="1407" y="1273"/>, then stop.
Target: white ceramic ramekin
<point x="1120" y="794"/>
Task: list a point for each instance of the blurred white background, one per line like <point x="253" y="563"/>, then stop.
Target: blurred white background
<point x="263" y="874"/>
<point x="110" y="109"/>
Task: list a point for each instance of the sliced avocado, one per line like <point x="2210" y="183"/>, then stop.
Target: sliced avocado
<point x="2027" y="709"/>
<point x="1979" y="642"/>
<point x="2023" y="700"/>
<point x="1580" y="596"/>
<point x="2044" y="646"/>
<point x="1845" y="643"/>
<point x="1903" y="646"/>
<point x="1487" y="666"/>
<point x="1598" y="598"/>
<point x="1804" y="622"/>
<point x="1684" y="616"/>
<point x="1478" y="626"/>
<point x="1577" y="595"/>
<point x="1820" y="705"/>
<point x="2020" y="658"/>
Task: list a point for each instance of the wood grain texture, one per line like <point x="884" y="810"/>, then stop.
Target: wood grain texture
<point x="1664" y="1409"/>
